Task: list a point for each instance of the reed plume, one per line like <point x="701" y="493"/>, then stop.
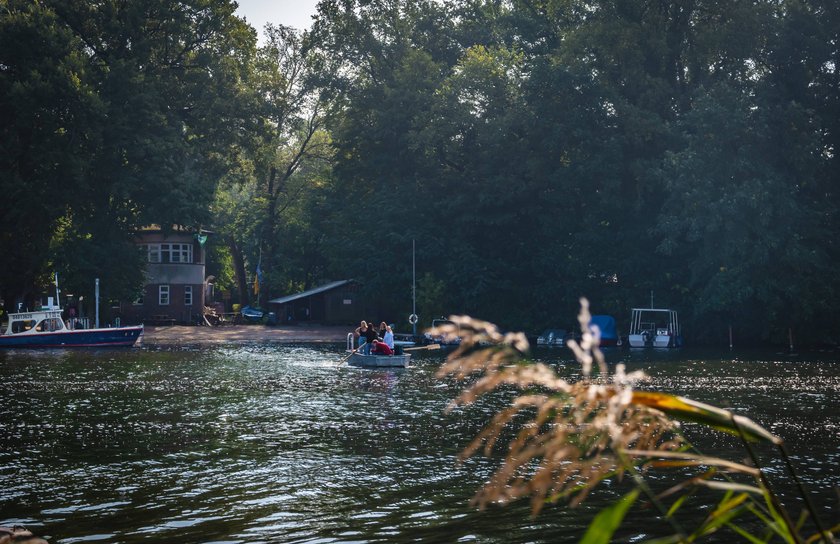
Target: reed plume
<point x="570" y="435"/>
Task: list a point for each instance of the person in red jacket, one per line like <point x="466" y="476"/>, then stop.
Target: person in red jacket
<point x="381" y="348"/>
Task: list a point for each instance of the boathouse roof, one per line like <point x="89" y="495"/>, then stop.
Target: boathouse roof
<point x="310" y="292"/>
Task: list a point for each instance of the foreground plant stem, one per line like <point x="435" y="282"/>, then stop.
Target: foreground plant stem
<point x="824" y="535"/>
<point x="642" y="484"/>
<point x="766" y="483"/>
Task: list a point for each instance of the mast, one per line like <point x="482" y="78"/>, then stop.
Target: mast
<point x="57" y="292"/>
<point x="413" y="289"/>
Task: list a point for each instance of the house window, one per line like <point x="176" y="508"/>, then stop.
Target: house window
<point x="154" y="253"/>
<point x="188" y="295"/>
<point x="163" y="295"/>
<point x="176" y="253"/>
<point x="170" y="253"/>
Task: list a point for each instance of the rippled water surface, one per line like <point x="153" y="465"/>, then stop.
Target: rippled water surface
<point x="274" y="443"/>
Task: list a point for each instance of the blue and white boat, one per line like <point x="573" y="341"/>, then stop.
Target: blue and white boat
<point x="606" y="329"/>
<point x="252" y="315"/>
<point x="46" y="329"/>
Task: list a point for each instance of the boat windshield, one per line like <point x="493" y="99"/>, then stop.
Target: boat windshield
<point x="49" y="325"/>
<point x="22" y="325"/>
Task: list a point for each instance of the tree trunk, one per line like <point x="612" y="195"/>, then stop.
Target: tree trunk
<point x="238" y="269"/>
<point x="267" y="242"/>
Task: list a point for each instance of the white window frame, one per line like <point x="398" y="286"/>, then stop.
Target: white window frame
<point x="154" y="253"/>
<point x="170" y="253"/>
<point x="163" y="295"/>
<point x="188" y="295"/>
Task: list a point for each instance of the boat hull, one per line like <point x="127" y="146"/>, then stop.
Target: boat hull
<point x="111" y="337"/>
<point x="654" y="341"/>
<point x="380" y="361"/>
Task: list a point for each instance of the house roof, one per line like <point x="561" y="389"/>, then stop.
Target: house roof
<point x="310" y="292"/>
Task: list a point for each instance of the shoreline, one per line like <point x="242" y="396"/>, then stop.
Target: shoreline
<point x="182" y="335"/>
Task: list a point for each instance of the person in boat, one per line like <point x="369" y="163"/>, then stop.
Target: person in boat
<point x="370" y="335"/>
<point x="360" y="334"/>
<point x="387" y="334"/>
<point x="365" y="334"/>
<point x="381" y="348"/>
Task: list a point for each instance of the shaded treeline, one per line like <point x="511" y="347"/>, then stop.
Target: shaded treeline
<point x="541" y="150"/>
<point x="536" y="151"/>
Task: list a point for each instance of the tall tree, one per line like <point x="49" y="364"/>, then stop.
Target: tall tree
<point x="285" y="150"/>
<point x="154" y="87"/>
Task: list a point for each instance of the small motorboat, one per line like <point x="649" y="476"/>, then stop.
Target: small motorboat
<point x="449" y="341"/>
<point x="46" y="329"/>
<point x="606" y="329"/>
<point x="654" y="328"/>
<point x="252" y="315"/>
<point x="552" y="337"/>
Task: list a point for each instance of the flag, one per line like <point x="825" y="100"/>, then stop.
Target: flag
<point x="258" y="279"/>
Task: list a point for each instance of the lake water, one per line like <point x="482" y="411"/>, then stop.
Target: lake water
<point x="276" y="443"/>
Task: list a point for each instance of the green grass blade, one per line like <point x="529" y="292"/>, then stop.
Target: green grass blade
<point x="601" y="529"/>
<point x="706" y="414"/>
<point x="750" y="537"/>
<point x="676" y="506"/>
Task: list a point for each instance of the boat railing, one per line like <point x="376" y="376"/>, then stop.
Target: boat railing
<point x="349" y="341"/>
<point x="78" y="323"/>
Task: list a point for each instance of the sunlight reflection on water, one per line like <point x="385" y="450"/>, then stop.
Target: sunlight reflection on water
<point x="284" y="443"/>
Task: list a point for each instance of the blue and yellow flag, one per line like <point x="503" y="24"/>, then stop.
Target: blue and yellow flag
<point x="258" y="279"/>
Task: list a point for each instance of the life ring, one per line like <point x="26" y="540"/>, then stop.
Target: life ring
<point x="412" y="319"/>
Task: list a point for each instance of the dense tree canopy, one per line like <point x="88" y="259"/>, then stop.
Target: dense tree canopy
<point x="118" y="115"/>
<point x="535" y="150"/>
<point x="540" y="151"/>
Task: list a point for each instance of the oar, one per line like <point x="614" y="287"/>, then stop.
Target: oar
<point x="430" y="347"/>
<point x="345" y="359"/>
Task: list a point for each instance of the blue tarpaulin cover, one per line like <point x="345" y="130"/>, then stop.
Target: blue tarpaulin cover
<point x="606" y="323"/>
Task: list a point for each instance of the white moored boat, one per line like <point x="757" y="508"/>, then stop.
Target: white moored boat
<point x="654" y="328"/>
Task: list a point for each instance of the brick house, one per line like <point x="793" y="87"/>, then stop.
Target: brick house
<point x="175" y="274"/>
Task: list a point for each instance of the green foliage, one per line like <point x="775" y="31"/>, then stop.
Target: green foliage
<point x="120" y="116"/>
<point x="601" y="529"/>
<point x="614" y="148"/>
